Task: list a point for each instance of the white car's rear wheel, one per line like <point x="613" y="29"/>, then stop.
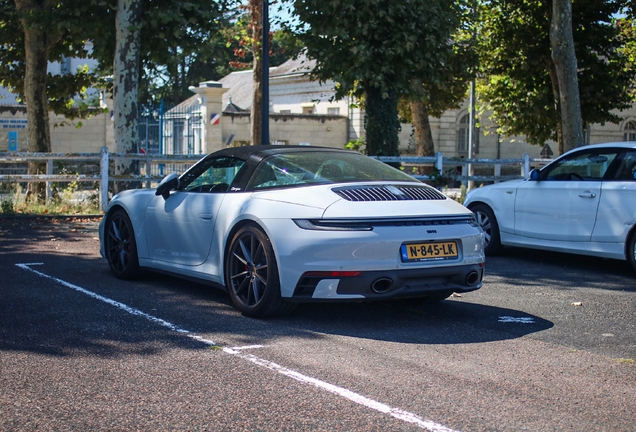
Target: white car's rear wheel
<point x="120" y="246"/>
<point x="486" y="219"/>
<point x="252" y="275"/>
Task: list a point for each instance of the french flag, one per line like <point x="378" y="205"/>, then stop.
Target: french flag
<point x="215" y="119"/>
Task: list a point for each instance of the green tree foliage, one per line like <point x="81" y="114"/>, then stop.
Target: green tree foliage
<point x="447" y="91"/>
<point x="245" y="40"/>
<point x="377" y="47"/>
<point x="181" y="45"/>
<point x="184" y="43"/>
<point x="283" y="43"/>
<point x="66" y="25"/>
<point x="628" y="48"/>
<point x="448" y="87"/>
<point x="32" y="33"/>
<point x="518" y="75"/>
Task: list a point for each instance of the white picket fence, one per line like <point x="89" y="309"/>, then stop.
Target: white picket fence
<point x="152" y="168"/>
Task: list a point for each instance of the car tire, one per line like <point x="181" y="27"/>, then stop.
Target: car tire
<point x="630" y="249"/>
<point x="251" y="274"/>
<point x="120" y="246"/>
<point x="488" y="222"/>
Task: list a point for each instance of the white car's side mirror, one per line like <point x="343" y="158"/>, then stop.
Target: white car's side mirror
<point x="168" y="184"/>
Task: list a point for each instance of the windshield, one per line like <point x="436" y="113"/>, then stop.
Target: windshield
<point x="306" y="168"/>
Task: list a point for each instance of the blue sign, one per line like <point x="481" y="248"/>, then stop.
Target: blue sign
<point x="13" y="140"/>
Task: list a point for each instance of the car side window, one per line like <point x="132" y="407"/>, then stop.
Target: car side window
<point x="627" y="167"/>
<point x="590" y="166"/>
<point x="216" y="175"/>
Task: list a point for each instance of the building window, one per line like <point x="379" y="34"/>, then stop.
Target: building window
<point x="463" y="136"/>
<point x="333" y="111"/>
<point x="65" y="66"/>
<point x="308" y="107"/>
<point x="178" y="128"/>
<point x="285" y="111"/>
<point x="629" y="131"/>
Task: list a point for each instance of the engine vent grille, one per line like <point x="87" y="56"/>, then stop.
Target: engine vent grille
<point x="389" y="193"/>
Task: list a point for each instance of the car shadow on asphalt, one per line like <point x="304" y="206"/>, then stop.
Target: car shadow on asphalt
<point x="560" y="270"/>
<point x="447" y="322"/>
<point x="451" y="321"/>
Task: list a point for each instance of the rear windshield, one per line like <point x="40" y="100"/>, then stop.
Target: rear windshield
<point x="308" y="168"/>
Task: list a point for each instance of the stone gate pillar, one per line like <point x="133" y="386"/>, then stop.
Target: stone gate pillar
<point x="211" y="94"/>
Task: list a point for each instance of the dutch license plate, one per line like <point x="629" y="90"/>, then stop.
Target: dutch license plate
<point x="429" y="251"/>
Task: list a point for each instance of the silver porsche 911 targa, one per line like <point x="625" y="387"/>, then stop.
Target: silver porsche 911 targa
<point x="278" y="225"/>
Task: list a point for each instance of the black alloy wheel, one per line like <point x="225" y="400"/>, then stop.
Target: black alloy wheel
<point x="252" y="275"/>
<point x="120" y="246"/>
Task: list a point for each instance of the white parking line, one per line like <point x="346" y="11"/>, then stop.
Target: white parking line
<point x="247" y="347"/>
<point x="519" y="320"/>
<point x="340" y="391"/>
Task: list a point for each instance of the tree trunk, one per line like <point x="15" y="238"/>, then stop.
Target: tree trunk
<point x="256" y="130"/>
<point x="381" y="122"/>
<point x="557" y="104"/>
<point x="37" y="102"/>
<point x="126" y="86"/>
<point x="564" y="58"/>
<point x="424" y="145"/>
<point x="37" y="46"/>
<point x="422" y="133"/>
<point x="126" y="75"/>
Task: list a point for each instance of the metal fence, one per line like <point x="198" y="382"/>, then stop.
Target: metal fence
<point x="463" y="170"/>
<point x="177" y="130"/>
<point x="98" y="168"/>
<point x="149" y="169"/>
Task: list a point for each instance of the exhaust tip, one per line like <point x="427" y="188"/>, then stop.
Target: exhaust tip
<point x="382" y="285"/>
<point x="472" y="278"/>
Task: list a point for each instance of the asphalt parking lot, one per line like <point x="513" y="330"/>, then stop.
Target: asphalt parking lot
<point x="548" y="344"/>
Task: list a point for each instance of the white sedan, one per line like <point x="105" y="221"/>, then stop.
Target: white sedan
<point x="584" y="202"/>
<point x="278" y="225"/>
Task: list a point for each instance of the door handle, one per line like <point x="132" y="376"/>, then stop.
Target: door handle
<point x="205" y="216"/>
<point x="587" y="194"/>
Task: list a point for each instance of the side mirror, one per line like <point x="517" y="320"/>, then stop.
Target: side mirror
<point x="168" y="184"/>
<point x="534" y="175"/>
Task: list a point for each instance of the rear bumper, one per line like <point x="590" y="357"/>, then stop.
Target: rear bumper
<point x="390" y="284"/>
<point x="375" y="254"/>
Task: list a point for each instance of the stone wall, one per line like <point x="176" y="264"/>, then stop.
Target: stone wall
<point x="89" y="135"/>
<point x="82" y="136"/>
<point x="316" y="130"/>
<point x="67" y="136"/>
<point x="13" y="120"/>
